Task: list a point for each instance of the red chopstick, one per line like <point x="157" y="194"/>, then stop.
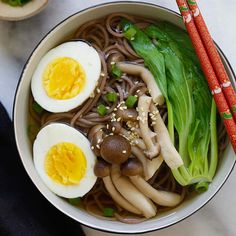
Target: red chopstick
<point x="214" y="56"/>
<point x="208" y="70"/>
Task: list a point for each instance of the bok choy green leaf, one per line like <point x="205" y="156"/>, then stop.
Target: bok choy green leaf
<point x="168" y="53"/>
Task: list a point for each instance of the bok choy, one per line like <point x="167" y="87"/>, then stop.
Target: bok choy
<point x="168" y="53"/>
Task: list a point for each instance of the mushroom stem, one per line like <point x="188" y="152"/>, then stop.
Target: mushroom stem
<point x="168" y="151"/>
<point x="139" y="143"/>
<point x="146" y="76"/>
<point x="131" y="193"/>
<point x="151" y="134"/>
<point x="162" y="198"/>
<point x="118" y="198"/>
<point x="149" y="166"/>
<point x="143" y="109"/>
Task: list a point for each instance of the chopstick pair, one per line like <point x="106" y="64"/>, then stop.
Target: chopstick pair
<point x="212" y="66"/>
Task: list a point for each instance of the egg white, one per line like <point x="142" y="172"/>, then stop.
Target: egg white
<point x="88" y="58"/>
<point x="56" y="133"/>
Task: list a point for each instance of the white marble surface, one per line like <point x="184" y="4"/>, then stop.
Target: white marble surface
<point x="18" y="39"/>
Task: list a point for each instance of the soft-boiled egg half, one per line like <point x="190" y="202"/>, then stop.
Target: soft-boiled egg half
<point x="66" y="76"/>
<point x="64" y="160"/>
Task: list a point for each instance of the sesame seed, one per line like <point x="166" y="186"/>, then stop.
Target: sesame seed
<point x="102" y="74"/>
<point x="98" y="90"/>
<point x="92" y="147"/>
<point x="119" y="119"/>
<point x="136" y="95"/>
<point x="115" y="109"/>
<point x="130" y="116"/>
<point x="124" y="151"/>
<point x="107" y="126"/>
<point x="113" y="63"/>
<point x="113" y="129"/>
<point x="138" y="91"/>
<point x="92" y="95"/>
<point x="107" y="107"/>
<point x="132" y="39"/>
<point x="97" y="146"/>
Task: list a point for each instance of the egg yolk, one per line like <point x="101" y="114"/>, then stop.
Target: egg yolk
<point x="65" y="163"/>
<point x="63" y="78"/>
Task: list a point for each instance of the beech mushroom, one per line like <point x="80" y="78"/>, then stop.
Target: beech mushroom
<point x="153" y="149"/>
<point x="147" y="77"/>
<point x="102" y="170"/>
<point x="133" y="169"/>
<point x="168" y="151"/>
<point x="96" y="135"/>
<point x="127" y="114"/>
<point x="115" y="149"/>
<point x="149" y="166"/>
<point x="131" y="193"/>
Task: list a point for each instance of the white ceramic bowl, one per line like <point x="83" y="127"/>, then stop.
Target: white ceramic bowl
<point x="31" y="8"/>
<point x="52" y="39"/>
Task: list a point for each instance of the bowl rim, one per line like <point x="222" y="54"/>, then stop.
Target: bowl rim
<point x="17" y="91"/>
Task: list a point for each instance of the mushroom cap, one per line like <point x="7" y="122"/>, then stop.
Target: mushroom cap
<point x="117" y="127"/>
<point x="129" y="114"/>
<point x="131" y="167"/>
<point x="115" y="149"/>
<point x="101" y="169"/>
<point x="94" y="130"/>
<point x="95" y="146"/>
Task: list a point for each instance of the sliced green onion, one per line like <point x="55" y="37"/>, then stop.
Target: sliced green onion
<point x="102" y="110"/>
<point x="130" y="33"/>
<point x="131" y="101"/>
<point x="74" y="201"/>
<point x="115" y="71"/>
<point x="201" y="187"/>
<point x="37" y="108"/>
<point x="111" y="97"/>
<point x="108" y="212"/>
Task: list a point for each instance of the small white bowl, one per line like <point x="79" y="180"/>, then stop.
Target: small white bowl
<point x="31" y="8"/>
<point x="53" y="38"/>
